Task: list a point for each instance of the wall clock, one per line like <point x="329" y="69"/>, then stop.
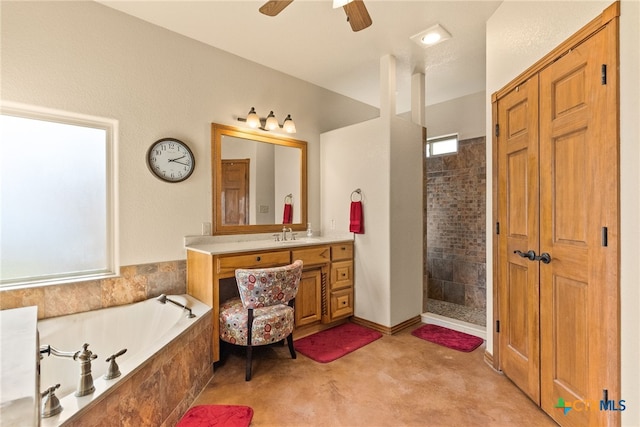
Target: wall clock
<point x="171" y="160"/>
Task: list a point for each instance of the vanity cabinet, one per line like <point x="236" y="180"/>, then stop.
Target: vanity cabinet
<point x="325" y="294"/>
<point x="341" y="282"/>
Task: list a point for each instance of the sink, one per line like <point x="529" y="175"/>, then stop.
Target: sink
<point x="301" y="241"/>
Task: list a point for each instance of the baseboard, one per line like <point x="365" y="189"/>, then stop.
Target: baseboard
<point x="386" y="329"/>
<point x="455" y="324"/>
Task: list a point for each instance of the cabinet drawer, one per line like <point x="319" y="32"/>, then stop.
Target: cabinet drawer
<point x="228" y="265"/>
<point x="341" y="274"/>
<point x="341" y="303"/>
<point x="342" y="251"/>
<point x="314" y="255"/>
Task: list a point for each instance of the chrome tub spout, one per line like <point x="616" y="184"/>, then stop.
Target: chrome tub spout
<point x="84" y="356"/>
<point x="162" y="299"/>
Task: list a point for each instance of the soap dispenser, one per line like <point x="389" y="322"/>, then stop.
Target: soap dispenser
<point x="309" y="230"/>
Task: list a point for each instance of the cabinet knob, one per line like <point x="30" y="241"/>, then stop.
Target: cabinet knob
<point x="258" y="258"/>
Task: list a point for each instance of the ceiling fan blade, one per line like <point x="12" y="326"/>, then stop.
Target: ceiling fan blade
<point x="357" y="15"/>
<point x="273" y="7"/>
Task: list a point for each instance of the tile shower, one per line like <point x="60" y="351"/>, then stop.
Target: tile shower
<point x="454" y="221"/>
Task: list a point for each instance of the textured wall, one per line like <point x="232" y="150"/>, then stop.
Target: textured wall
<point x="455" y="224"/>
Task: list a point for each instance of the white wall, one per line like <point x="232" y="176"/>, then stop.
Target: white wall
<point x="406" y="216"/>
<point x="383" y="158"/>
<point x="354" y="157"/>
<point x="464" y="116"/>
<point x="519" y="34"/>
<point x="86" y="58"/>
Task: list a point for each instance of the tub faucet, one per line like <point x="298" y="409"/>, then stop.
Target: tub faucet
<point x="85" y="356"/>
<point x="162" y="299"/>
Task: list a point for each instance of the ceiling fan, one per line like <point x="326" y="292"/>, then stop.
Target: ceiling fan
<point x="357" y="14"/>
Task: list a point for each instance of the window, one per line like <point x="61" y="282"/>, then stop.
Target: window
<point x="441" y="145"/>
<point x="57" y="196"/>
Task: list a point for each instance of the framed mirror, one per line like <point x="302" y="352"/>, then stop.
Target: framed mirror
<point x="259" y="181"/>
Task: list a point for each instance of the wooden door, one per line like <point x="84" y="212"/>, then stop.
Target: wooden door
<point x="234" y="193"/>
<point x="518" y="218"/>
<point x="309" y="298"/>
<point x="579" y="227"/>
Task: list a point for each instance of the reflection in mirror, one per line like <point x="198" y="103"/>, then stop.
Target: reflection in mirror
<point x="259" y="181"/>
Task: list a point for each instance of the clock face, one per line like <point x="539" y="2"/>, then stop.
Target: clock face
<point x="170" y="160"/>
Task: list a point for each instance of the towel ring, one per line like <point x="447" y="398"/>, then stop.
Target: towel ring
<point x="358" y="192"/>
<point x="288" y="198"/>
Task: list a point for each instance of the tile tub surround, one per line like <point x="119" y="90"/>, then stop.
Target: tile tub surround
<point x="135" y="283"/>
<point x="162" y="390"/>
<point x="455" y="200"/>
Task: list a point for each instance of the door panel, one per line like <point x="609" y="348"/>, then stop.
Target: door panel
<point x="558" y="193"/>
<point x="309" y="298"/>
<point x="519" y="212"/>
<point x="578" y="192"/>
<point x="235" y="192"/>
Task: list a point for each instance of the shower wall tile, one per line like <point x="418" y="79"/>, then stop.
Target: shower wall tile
<point x="455" y="221"/>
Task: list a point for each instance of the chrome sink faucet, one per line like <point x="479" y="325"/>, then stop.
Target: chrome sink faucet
<point x="284" y="234"/>
<point x="85" y="356"/>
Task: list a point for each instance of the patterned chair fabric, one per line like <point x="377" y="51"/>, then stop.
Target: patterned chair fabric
<point x="265" y="310"/>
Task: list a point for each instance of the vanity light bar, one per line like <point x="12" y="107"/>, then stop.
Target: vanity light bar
<point x="270" y="123"/>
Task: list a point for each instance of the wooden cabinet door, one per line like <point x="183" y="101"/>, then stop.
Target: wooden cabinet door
<point x="309" y="299"/>
<point x="579" y="228"/>
<point x="518" y="217"/>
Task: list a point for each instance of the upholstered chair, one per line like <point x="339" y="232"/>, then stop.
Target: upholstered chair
<point x="264" y="313"/>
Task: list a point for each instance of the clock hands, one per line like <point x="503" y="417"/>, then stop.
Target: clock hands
<point x="178" y="158"/>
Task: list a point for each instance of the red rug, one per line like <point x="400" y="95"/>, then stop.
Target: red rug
<point x="448" y="337"/>
<point x="217" y="416"/>
<point x="332" y="344"/>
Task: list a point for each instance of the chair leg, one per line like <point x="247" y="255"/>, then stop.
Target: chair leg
<point x="247" y="376"/>
<point x="291" y="349"/>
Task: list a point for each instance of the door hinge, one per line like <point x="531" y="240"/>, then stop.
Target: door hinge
<point x="605" y="236"/>
<point x="603" y="74"/>
<point x="497" y="326"/>
<point x="497" y="228"/>
<point x="497" y="129"/>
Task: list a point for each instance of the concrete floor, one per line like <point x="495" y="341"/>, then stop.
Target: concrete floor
<point x="398" y="380"/>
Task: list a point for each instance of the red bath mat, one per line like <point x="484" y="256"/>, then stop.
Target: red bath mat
<point x="332" y="344"/>
<point x="448" y="337"/>
<point x="217" y="415"/>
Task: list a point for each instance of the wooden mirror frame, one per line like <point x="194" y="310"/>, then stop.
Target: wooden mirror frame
<point x="217" y="132"/>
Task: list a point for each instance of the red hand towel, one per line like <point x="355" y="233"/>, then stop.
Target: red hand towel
<point x="356" y="223"/>
<point x="287" y="216"/>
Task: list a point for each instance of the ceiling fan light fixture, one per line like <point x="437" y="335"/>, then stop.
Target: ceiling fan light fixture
<point x="340" y="3"/>
<point x="271" y="122"/>
<point x="431" y="36"/>
<point x="289" y="126"/>
<point x="253" y="120"/>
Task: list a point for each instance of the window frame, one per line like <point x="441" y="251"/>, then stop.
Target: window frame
<point x="110" y="126"/>
<point x="430" y="141"/>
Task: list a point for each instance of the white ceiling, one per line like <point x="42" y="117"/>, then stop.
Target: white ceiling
<point x="312" y="41"/>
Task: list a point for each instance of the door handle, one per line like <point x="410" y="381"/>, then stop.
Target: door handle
<point x="544" y="257"/>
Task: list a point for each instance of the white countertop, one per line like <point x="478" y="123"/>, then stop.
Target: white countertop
<point x="19" y="394"/>
<point x="209" y="245"/>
